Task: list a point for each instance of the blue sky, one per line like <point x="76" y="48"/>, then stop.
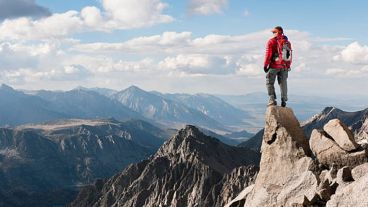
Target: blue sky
<point x="192" y="46"/>
<point x="340" y="18"/>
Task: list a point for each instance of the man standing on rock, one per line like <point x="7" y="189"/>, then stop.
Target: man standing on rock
<point x="277" y="64"/>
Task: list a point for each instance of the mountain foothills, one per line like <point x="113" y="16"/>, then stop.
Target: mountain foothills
<point x="44" y="165"/>
<point x="190" y="169"/>
<point x="100" y="147"/>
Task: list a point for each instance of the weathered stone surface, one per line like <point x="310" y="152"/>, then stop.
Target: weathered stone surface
<point x="285" y="177"/>
<point x="354" y="194"/>
<point x="240" y="199"/>
<point x="277" y="117"/>
<point x="328" y="152"/>
<point x="341" y="135"/>
<point x="359" y="171"/>
<point x="297" y="189"/>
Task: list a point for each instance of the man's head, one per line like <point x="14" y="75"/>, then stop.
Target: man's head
<point x="277" y="31"/>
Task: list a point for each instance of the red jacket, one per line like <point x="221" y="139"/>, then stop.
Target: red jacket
<point x="271" y="49"/>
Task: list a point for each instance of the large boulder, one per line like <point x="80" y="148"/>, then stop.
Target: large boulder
<point x="286" y="175"/>
<point x="341" y="134"/>
<point x="328" y="152"/>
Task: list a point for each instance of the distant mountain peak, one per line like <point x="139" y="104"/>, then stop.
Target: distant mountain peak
<point x="191" y="145"/>
<point x="186" y="141"/>
<point x="329" y="109"/>
<point x="133" y="88"/>
<point x="6" y="87"/>
<point x="81" y="88"/>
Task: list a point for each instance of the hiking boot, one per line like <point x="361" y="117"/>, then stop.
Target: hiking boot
<point x="272" y="102"/>
<point x="283" y="103"/>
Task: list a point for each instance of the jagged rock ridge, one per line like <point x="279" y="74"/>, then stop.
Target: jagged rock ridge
<point x="191" y="169"/>
<point x="290" y="176"/>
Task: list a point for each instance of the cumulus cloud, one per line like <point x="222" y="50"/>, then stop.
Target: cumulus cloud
<point x="30" y="75"/>
<point x="197" y="64"/>
<point x="206" y="7"/>
<point x="354" y="53"/>
<point x="55" y="26"/>
<point x="182" y="42"/>
<point x="116" y="15"/>
<point x="10" y="9"/>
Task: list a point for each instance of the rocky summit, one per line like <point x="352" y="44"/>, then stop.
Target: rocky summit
<point x="190" y="169"/>
<point x="330" y="170"/>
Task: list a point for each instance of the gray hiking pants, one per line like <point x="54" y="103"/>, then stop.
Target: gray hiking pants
<point x="282" y="75"/>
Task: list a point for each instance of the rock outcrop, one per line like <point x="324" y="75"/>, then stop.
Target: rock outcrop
<point x="285" y="177"/>
<point x="341" y="134"/>
<point x="328" y="152"/>
<point x="191" y="170"/>
<point x="357" y="122"/>
<point x="290" y="175"/>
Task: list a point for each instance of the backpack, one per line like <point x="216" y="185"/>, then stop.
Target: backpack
<point x="284" y="54"/>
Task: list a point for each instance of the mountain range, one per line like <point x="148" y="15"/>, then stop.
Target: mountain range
<point x="190" y="169"/>
<point x="45" y="164"/>
<point x="22" y="107"/>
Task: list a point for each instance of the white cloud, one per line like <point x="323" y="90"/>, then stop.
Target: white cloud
<point x="167" y="41"/>
<point x="206" y="7"/>
<point x="348" y="73"/>
<point x="30" y="75"/>
<point x="132" y="13"/>
<point x="109" y="65"/>
<point x="167" y="58"/>
<point x="249" y="69"/>
<point x="196" y="64"/>
<point x="116" y="15"/>
<point x="186" y="61"/>
<point x="55" y="26"/>
<point x="354" y="53"/>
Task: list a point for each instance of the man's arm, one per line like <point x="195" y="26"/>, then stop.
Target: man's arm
<point x="268" y="55"/>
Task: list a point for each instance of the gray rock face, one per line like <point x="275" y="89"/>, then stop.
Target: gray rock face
<point x="285" y="177"/>
<point x="235" y="182"/>
<point x="190" y="169"/>
<point x="341" y="135"/>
